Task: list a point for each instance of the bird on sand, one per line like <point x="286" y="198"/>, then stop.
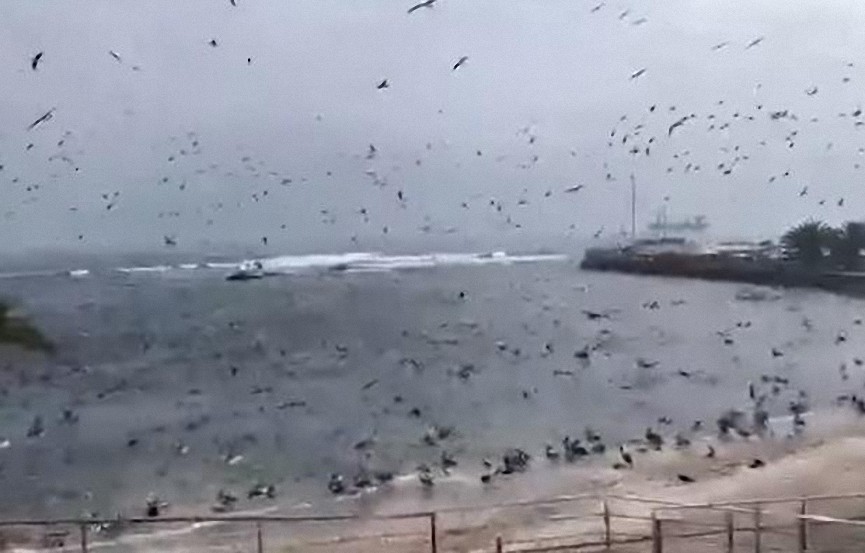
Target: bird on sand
<point x="460" y="62"/>
<point x="34" y="61"/>
<point x="46" y="117"/>
<point x="626" y="457"/>
<point x="684" y="478"/>
<point x="382" y="85"/>
<point x="424" y="4"/>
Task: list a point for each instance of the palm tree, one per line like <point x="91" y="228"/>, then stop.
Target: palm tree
<point x="810" y="242"/>
<point x="850" y="241"/>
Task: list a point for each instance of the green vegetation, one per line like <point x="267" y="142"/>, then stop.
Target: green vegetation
<point x="18" y="331"/>
<point x="816" y="244"/>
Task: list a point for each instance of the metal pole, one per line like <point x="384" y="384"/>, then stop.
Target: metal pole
<point x="633" y="207"/>
<point x="803" y="528"/>
<point x="731" y="529"/>
<point x="657" y="537"/>
<point x="259" y="542"/>
<point x="83" y="528"/>
<point x="758" y="514"/>
<point x="608" y="538"/>
<point x="432" y="533"/>
<point x="499" y="547"/>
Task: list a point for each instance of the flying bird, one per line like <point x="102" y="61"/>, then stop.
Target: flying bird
<point x="34" y="62"/>
<point x="43" y="119"/>
<point x="382" y="85"/>
<point x="115" y="55"/>
<point x="754" y="42"/>
<point x="424" y="4"/>
<point x="676" y="125"/>
<point x="213" y="42"/>
<point x="803" y="192"/>
<point x="720" y="45"/>
<point x="637" y="73"/>
<point x="233" y="3"/>
<point x="460" y="62"/>
<point x="598" y="7"/>
<point x="576" y="188"/>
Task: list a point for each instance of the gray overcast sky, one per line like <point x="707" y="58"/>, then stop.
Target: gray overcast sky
<point x="307" y="104"/>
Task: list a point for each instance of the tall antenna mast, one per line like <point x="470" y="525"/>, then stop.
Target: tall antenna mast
<point x="633" y="207"/>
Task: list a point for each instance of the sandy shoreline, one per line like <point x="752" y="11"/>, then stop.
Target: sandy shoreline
<point x="825" y="461"/>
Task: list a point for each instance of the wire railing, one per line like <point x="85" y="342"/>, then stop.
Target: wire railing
<point x="563" y="523"/>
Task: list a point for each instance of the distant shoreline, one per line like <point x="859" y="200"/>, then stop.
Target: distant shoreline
<point x="766" y="272"/>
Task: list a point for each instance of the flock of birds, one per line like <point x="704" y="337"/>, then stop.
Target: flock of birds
<point x="655" y="131"/>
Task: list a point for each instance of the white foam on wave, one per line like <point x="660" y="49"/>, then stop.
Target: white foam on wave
<point x="371" y="262"/>
<point x="152" y="269"/>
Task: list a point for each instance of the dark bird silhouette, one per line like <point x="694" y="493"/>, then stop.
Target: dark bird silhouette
<point x="684" y="478"/>
<point x="676" y="125"/>
<point x="460" y="62"/>
<point x="638" y="73"/>
<point x="754" y="42"/>
<point x="598" y="7"/>
<point x="382" y="85"/>
<point x="34" y="61"/>
<point x="803" y="192"/>
<point x="720" y="45"/>
<point x="626" y="457"/>
<point x="576" y="188"/>
<point x="233" y="3"/>
<point x="115" y="55"/>
<point x="213" y="42"/>
<point x="756" y="463"/>
<point x="424" y="4"/>
<point x="711" y="453"/>
<point x="46" y="117"/>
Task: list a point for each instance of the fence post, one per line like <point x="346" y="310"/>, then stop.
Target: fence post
<point x="499" y="547"/>
<point x="758" y="515"/>
<point x="608" y="537"/>
<point x="259" y="541"/>
<point x="657" y="537"/>
<point x="432" y="533"/>
<point x="83" y="528"/>
<point x="803" y="528"/>
<point x="731" y="529"/>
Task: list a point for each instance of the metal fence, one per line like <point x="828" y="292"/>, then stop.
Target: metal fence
<point x="625" y="524"/>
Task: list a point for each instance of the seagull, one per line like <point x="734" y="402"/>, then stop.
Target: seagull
<point x="676" y="125"/>
<point x="637" y="73"/>
<point x="803" y="192"/>
<point x="424" y="4"/>
<point x="460" y="62"/>
<point x="626" y="457"/>
<point x="115" y="55"/>
<point x="598" y="7"/>
<point x="35" y="60"/>
<point x="382" y="85"/>
<point x="754" y="42"/>
<point x="720" y="45"/>
<point x="47" y="117"/>
<point x="576" y="188"/>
